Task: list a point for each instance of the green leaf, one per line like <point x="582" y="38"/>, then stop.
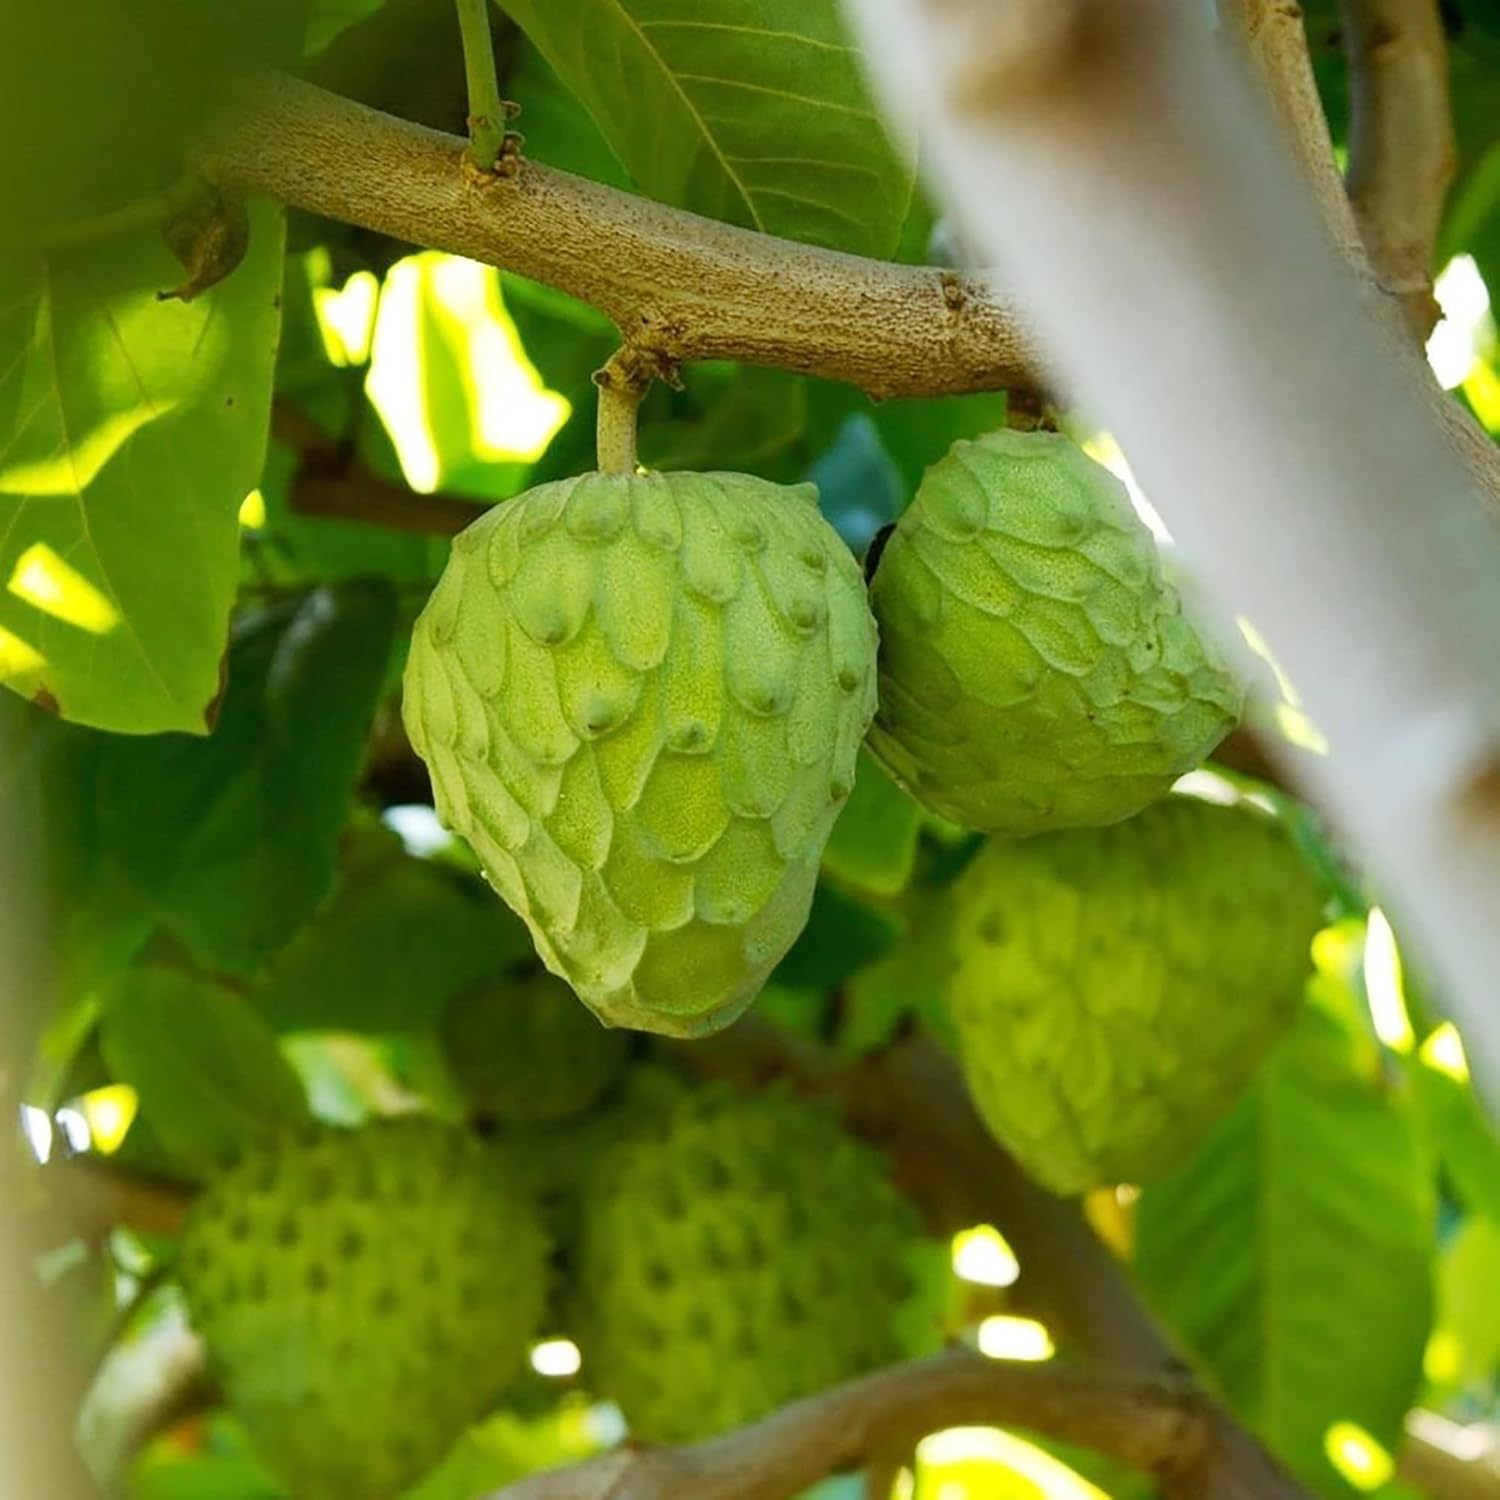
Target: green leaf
<point x="1460" y="1135"/>
<point x="559" y="130"/>
<point x="209" y="1074"/>
<point x="233" y="838"/>
<point x="842" y="935"/>
<point x="859" y="490"/>
<point x="132" y="430"/>
<point x="1465" y="1348"/>
<point x="754" y="111"/>
<point x="1293" y="1253"/>
<point x="918" y="432"/>
<point x="397" y="939"/>
<point x="874" y="842"/>
<point x="728" y="416"/>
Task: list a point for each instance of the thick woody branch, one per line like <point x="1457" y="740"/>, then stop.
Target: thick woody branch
<point x="1153" y="1424"/>
<point x="1276" y="427"/>
<point x="1401" y="147"/>
<point x="679" y="287"/>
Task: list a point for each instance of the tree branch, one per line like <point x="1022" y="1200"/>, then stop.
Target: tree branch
<point x="1277" y="430"/>
<point x="1152" y="1423"/>
<point x="1402" y="153"/>
<point x="679" y="287"/>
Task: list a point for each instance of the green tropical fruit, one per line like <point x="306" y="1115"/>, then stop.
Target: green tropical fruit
<point x="1114" y="989"/>
<point x="523" y="1049"/>
<point x="363" y="1296"/>
<point x="743" y="1254"/>
<point x="640" y="699"/>
<point x="1036" y="669"/>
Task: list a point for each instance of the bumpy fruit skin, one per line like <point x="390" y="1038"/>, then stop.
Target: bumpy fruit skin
<point x="1114" y="989"/>
<point x="746" y="1254"/>
<point x="363" y="1295"/>
<point x="1036" y="670"/>
<point x="640" y="699"/>
<point x="523" y="1050"/>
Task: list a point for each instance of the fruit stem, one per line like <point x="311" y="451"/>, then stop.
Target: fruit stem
<point x="488" y="112"/>
<point x="622" y="383"/>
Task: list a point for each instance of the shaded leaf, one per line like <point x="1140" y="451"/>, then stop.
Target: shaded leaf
<point x="233" y="838"/>
<point x="209" y="1074"/>
<point x="859" y="490"/>
<point x="133" y="429"/>
<point x="1460" y="1135"/>
<point x="842" y="935"/>
<point x="753" y="111"/>
<point x="398" y="938"/>
<point x="1293" y="1253"/>
<point x="874" y="842"/>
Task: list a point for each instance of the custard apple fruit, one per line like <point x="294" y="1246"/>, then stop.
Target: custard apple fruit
<point x="640" y="699"/>
<point x="363" y="1295"/>
<point x="523" y="1049"/>
<point x="745" y="1253"/>
<point x="1036" y="670"/>
<point x="1113" y="989"/>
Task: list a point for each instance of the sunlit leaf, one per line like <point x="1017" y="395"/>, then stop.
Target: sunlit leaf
<point x="133" y="429"/>
<point x="753" y="111"/>
<point x="1293" y="1253"/>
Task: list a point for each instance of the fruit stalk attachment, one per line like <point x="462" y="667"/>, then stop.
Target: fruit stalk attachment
<point x="623" y="383"/>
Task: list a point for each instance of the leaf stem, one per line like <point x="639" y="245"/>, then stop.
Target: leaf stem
<point x="487" y="111"/>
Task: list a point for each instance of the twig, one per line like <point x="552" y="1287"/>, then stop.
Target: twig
<point x="487" y="111"/>
<point x="1446" y="1461"/>
<point x="333" y="484"/>
<point x="1402" y="154"/>
<point x="1154" y="1424"/>
<point x="679" y="287"/>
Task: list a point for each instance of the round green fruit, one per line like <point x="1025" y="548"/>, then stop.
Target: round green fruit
<point x="523" y="1049"/>
<point x="640" y="699"/>
<point x="363" y="1296"/>
<point x="1114" y="989"/>
<point x="1036" y="670"/>
<point x="744" y="1254"/>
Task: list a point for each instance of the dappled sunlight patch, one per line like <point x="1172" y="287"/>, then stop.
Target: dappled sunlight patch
<point x="109" y="1111"/>
<point x="1293" y="721"/>
<point x="1358" y="1457"/>
<point x="1384" y="991"/>
<point x="21" y="665"/>
<point x="253" y="511"/>
<point x="346" y="318"/>
<point x="1454" y="344"/>
<point x="1007" y="1337"/>
<point x="44" y="580"/>
<point x="967" y="1458"/>
<point x="1443" y="1051"/>
<point x="556" y="1358"/>
<point x="68" y="471"/>
<point x="981" y="1255"/>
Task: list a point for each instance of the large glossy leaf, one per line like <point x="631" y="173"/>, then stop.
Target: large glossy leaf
<point x="209" y="1074"/>
<point x="753" y="111"/>
<point x="130" y="431"/>
<point x="1293" y="1253"/>
<point x="233" y="838"/>
<point x="386" y="953"/>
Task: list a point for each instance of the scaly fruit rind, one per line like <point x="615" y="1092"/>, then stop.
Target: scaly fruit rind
<point x="363" y="1295"/>
<point x="1114" y="989"/>
<point x="640" y="699"/>
<point x="740" y="1254"/>
<point x="1036" y="669"/>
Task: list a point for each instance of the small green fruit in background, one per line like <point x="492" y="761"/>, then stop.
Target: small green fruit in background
<point x="363" y="1296"/>
<point x="1036" y="670"/>
<point x="640" y="699"/>
<point x="1114" y="989"/>
<point x="523" y="1049"/>
<point x="745" y="1253"/>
